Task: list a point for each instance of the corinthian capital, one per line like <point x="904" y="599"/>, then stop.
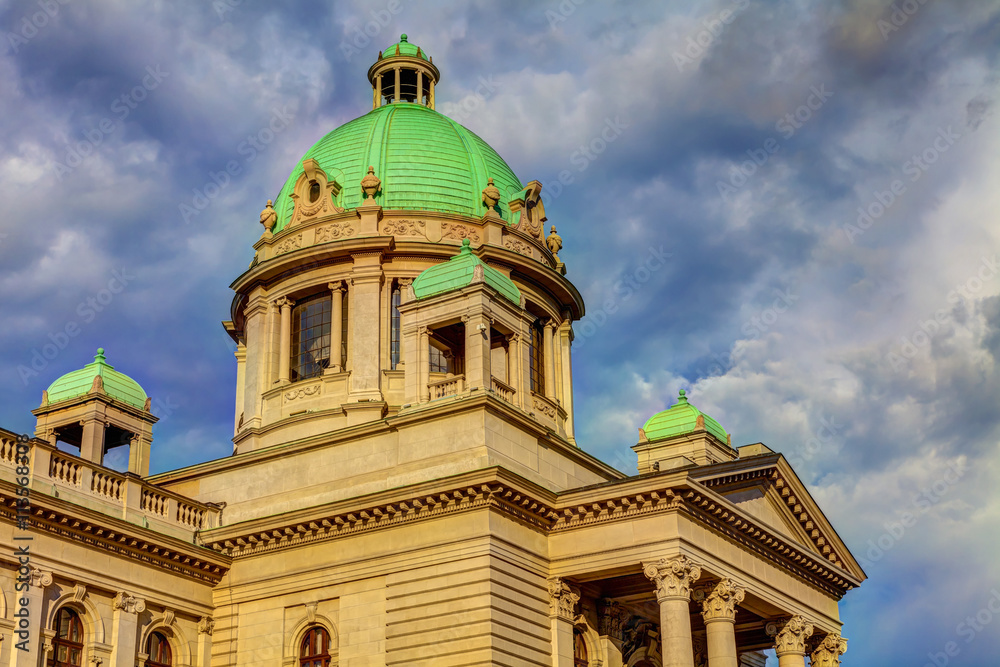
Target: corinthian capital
<point x="673" y="577"/>
<point x="720" y="603"/>
<point x="790" y="635"/>
<point x="128" y="603"/>
<point x="206" y="625"/>
<point x="828" y="651"/>
<point x="562" y="599"/>
<point x="284" y="302"/>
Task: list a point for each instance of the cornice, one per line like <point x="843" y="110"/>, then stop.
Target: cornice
<point x="115" y="536"/>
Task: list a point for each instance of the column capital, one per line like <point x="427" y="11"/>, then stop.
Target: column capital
<point x="562" y="600"/>
<point x="284" y="302"/>
<point x="206" y="626"/>
<point x="828" y="651"/>
<point x="128" y="603"/>
<point x="551" y="324"/>
<point x="336" y="287"/>
<point x="39" y="578"/>
<point x="790" y="635"/>
<point x="673" y="577"/>
<point x="720" y="602"/>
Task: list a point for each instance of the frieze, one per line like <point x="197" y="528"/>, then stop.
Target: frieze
<point x="302" y="392"/>
<point x="518" y="246"/>
<point x="403" y="227"/>
<point x="289" y="244"/>
<point x="450" y="230"/>
<point x="337" y="230"/>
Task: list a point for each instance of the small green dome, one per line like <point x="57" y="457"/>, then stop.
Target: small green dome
<point x="405" y="49"/>
<point x="681" y="418"/>
<point x="116" y="385"/>
<point x="459" y="272"/>
<point x="426" y="161"/>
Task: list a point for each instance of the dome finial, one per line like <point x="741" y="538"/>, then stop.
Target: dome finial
<point x="682" y="396"/>
<point x="466" y="246"/>
<point x="402" y="37"/>
<point x="99" y="357"/>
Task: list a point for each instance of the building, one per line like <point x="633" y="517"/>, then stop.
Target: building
<point x="405" y="486"/>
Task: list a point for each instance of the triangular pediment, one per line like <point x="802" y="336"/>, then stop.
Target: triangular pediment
<point x="766" y="489"/>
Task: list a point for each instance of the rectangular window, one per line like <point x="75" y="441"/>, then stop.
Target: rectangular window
<point x="537" y="345"/>
<point x="310" y="353"/>
<point x="394" y="333"/>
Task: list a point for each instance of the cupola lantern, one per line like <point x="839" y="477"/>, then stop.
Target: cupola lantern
<point x="403" y="73"/>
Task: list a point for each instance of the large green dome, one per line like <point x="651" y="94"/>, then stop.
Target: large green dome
<point x="426" y="161"/>
<point x="116" y="385"/>
<point x="681" y="418"/>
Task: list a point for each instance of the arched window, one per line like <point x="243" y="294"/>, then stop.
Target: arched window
<point x="67" y="647"/>
<point x="159" y="651"/>
<point x="315" y="649"/>
<point x="579" y="650"/>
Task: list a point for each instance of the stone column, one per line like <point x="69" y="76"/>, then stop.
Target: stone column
<point x="285" y="346"/>
<point x="562" y="607"/>
<point x="514" y="366"/>
<point x="828" y="651"/>
<point x="719" y="612"/>
<point x="124" y="628"/>
<point x="364" y="328"/>
<point x="377" y="102"/>
<point x="92" y="443"/>
<point x="673" y="578"/>
<point x="336" y="326"/>
<point x="29" y="636"/>
<point x="566" y="341"/>
<point x="241" y="366"/>
<point x="432" y="94"/>
<point x="557" y="370"/>
<point x="549" y="355"/>
<point x="790" y="637"/>
<point x="395" y="94"/>
<point x="477" y="351"/>
<point x="205" y="627"/>
<point x="420" y="87"/>
<point x="423" y="367"/>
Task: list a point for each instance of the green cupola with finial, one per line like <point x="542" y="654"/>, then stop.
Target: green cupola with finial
<point x="681" y="418"/>
<point x="461" y="271"/>
<point x="680" y="436"/>
<point x="115" y="384"/>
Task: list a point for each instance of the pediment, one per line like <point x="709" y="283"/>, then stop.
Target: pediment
<point x="768" y="490"/>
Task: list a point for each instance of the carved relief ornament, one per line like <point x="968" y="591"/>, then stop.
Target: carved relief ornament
<point x="720" y="603"/>
<point x="562" y="599"/>
<point x="314" y="193"/>
<point x="790" y="635"/>
<point x="128" y="603"/>
<point x="828" y="651"/>
<point x="673" y="577"/>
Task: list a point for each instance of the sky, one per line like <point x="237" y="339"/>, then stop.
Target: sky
<point x="788" y="209"/>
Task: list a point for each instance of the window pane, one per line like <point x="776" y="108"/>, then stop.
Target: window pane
<point x="310" y="350"/>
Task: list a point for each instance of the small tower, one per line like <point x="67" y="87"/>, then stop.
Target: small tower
<point x="681" y="436"/>
<point x="403" y="73"/>
<point x="96" y="408"/>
